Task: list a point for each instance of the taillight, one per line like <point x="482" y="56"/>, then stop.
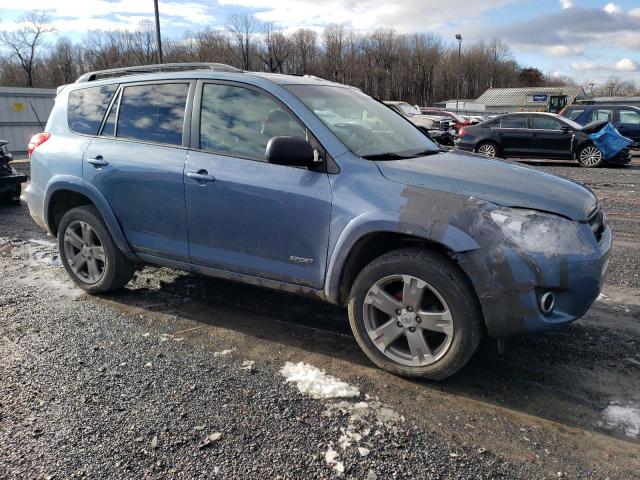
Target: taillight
<point x="37" y="140"/>
<point x="461" y="133"/>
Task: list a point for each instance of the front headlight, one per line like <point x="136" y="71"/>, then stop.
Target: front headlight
<point x="539" y="232"/>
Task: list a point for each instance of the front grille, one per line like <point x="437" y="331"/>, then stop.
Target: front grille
<point x="597" y="222"/>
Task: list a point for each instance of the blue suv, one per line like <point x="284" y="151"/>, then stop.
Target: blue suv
<point x="311" y="187"/>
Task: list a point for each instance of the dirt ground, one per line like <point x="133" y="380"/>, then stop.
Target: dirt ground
<point x="563" y="404"/>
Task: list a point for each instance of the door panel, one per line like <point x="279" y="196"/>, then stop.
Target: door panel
<point x="514" y="135"/>
<point x="144" y="186"/>
<point x="259" y="219"/>
<point x="138" y="165"/>
<point x="628" y="123"/>
<point x="245" y="215"/>
<point x="548" y="138"/>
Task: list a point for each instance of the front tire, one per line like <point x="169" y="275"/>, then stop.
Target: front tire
<point x="590" y="156"/>
<point x="88" y="253"/>
<point x="414" y="314"/>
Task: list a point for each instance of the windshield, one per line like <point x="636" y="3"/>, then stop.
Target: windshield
<point x="367" y="127"/>
<point x="571" y="123"/>
<point x="409" y="109"/>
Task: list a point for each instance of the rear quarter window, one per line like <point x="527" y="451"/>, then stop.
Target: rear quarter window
<point x="87" y="106"/>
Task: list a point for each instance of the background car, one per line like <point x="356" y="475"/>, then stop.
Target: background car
<point x="436" y="128"/>
<point x="536" y="135"/>
<point x="10" y="180"/>
<point x="625" y="118"/>
<point x="458" y="120"/>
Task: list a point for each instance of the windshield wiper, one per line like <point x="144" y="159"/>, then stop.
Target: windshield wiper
<point x="387" y="156"/>
<point x="424" y="153"/>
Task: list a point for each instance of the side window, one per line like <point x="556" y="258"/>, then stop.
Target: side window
<point x="87" y="106"/>
<point x="573" y="113"/>
<point x="153" y="113"/>
<point x="629" y="116"/>
<point x="601" y="114"/>
<point x="514" y="121"/>
<point x="542" y="122"/>
<point x="239" y="121"/>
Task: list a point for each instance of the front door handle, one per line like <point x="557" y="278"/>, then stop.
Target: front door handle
<point x="97" y="161"/>
<point x="201" y="176"/>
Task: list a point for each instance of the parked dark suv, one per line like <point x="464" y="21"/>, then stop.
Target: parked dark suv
<point x="311" y="187"/>
<point x="625" y="118"/>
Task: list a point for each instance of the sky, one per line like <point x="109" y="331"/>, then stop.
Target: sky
<point x="589" y="40"/>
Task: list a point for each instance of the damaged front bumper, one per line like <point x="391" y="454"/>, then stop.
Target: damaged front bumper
<point x="516" y="288"/>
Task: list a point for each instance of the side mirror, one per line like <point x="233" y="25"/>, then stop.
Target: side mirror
<point x="291" y="151"/>
<point x="565" y="129"/>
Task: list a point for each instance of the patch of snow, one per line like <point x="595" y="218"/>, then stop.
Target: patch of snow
<point x="363" y="451"/>
<point x="248" y="365"/>
<point x="331" y="457"/>
<point x="312" y="381"/>
<point x="224" y="353"/>
<point x="602" y="298"/>
<point x="626" y="417"/>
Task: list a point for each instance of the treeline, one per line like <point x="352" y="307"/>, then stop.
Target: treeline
<point x="420" y="68"/>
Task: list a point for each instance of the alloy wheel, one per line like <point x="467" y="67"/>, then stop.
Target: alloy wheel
<point x="408" y="320"/>
<point x="590" y="156"/>
<point x="84" y="252"/>
<point x="487" y="149"/>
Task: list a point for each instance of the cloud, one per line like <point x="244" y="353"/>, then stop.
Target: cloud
<point x="572" y="28"/>
<point x="585" y="66"/>
<point x="402" y="15"/>
<point x="566" y="3"/>
<point x="626" y="65"/>
<point x="612" y="8"/>
<point x="86" y="15"/>
<point x="563" y="50"/>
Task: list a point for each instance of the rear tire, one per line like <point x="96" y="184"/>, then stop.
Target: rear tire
<point x="488" y="149"/>
<point x="88" y="253"/>
<point x="590" y="156"/>
<point x="414" y="314"/>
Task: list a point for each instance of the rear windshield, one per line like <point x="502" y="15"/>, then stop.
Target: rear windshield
<point x="87" y="106"/>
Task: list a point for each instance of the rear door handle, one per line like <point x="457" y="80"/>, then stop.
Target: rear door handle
<point x="201" y="176"/>
<point x="97" y="161"/>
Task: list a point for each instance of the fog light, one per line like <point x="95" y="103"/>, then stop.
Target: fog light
<point x="547" y="302"/>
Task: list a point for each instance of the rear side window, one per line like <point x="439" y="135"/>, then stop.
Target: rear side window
<point x="573" y="113"/>
<point x="153" y="113"/>
<point x="514" y="121"/>
<point x="87" y="106"/>
<point x="601" y="114"/>
<point x="629" y="116"/>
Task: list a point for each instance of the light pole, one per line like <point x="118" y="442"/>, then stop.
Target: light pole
<point x="459" y="38"/>
<point x="158" y="41"/>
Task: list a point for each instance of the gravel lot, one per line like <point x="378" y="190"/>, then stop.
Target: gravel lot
<point x="129" y="385"/>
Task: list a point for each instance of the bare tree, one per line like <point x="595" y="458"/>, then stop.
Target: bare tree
<point x="26" y="41"/>
<point x="305" y="51"/>
<point x="275" y="49"/>
<point x="243" y="29"/>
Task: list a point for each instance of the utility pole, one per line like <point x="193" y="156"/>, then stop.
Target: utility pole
<point x="459" y="38"/>
<point x="158" y="40"/>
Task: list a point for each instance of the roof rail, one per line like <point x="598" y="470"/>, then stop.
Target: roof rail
<point x="163" y="67"/>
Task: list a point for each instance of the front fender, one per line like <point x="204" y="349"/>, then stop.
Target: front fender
<point x="450" y="237"/>
<point x="81" y="186"/>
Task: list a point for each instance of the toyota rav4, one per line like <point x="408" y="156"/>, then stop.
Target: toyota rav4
<point x="311" y="187"/>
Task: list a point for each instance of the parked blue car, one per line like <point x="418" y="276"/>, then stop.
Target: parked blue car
<point x="312" y="187"/>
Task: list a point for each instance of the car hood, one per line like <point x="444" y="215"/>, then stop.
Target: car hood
<point x="495" y="181"/>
